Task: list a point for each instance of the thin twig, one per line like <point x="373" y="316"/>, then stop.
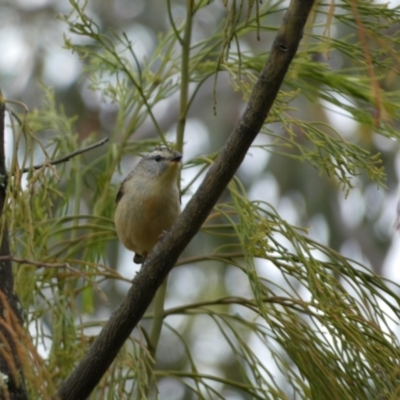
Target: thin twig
<point x="297" y="305"/>
<point x="40" y="264"/>
<point x="208" y="257"/>
<point x="15" y="115"/>
<point x="18" y="103"/>
<point x="68" y="156"/>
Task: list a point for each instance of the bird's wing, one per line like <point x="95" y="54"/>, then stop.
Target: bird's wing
<point x="120" y="193"/>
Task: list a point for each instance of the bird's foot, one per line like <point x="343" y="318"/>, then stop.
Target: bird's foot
<point x="138" y="259"/>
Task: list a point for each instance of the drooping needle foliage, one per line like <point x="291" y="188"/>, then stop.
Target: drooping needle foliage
<point x="256" y="308"/>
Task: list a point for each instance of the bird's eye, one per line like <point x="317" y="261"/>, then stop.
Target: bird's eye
<point x="157" y="158"/>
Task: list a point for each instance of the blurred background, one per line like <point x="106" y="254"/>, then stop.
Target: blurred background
<point x="32" y="47"/>
<point x="360" y="225"/>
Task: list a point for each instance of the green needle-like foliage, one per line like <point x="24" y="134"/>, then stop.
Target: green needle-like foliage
<point x="301" y="320"/>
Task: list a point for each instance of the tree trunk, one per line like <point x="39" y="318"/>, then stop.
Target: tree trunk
<point x="12" y="383"/>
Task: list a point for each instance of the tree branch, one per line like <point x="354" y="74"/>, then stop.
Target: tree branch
<point x="43" y="265"/>
<point x="165" y="254"/>
<point x="68" y="156"/>
<point x="10" y="307"/>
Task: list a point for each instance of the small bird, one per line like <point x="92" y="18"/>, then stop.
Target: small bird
<point x="148" y="201"/>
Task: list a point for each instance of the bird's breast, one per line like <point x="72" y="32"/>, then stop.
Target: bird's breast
<point x="144" y="212"/>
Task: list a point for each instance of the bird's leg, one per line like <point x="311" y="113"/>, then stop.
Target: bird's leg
<point x="138" y="259"/>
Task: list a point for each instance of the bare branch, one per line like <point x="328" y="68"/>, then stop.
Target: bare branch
<point x="68" y="156"/>
<point x="208" y="257"/>
<point x="251" y="304"/>
<point x="164" y="256"/>
<point x="50" y="265"/>
<point x="40" y="264"/>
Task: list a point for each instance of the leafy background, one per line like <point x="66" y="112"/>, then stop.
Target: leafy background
<point x="279" y="295"/>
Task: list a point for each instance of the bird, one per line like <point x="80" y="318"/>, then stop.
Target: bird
<point x="148" y="201"/>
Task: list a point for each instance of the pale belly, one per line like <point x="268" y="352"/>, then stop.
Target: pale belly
<point x="139" y="223"/>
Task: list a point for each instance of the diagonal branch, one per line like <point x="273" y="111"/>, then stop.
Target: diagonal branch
<point x="164" y="256"/>
<point x="68" y="156"/>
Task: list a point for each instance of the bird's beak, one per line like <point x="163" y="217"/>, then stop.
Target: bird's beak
<point x="177" y="157"/>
